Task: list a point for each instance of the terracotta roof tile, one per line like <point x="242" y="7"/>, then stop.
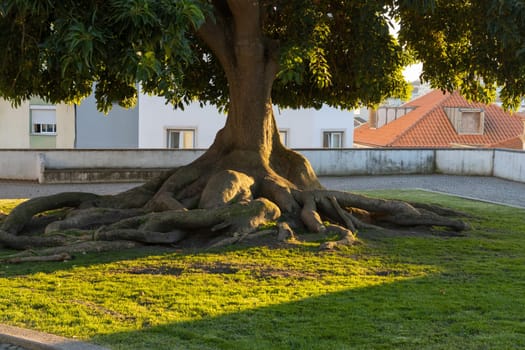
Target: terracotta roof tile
<point x="515" y="143"/>
<point x="429" y="126"/>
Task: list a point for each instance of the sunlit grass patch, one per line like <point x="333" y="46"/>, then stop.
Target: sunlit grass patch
<point x="6" y="205"/>
<point x="399" y="291"/>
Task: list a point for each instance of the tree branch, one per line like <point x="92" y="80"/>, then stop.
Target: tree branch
<point x="214" y="32"/>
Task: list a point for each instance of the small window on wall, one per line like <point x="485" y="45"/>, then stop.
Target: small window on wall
<point x="181" y="138"/>
<point x="333" y="139"/>
<point x="43" y="120"/>
<point x="283" y="134"/>
<point x="471" y="122"/>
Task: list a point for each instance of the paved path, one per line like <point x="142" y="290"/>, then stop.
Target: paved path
<point x="15" y="338"/>
<point x="26" y="189"/>
<point x="482" y="188"/>
<point x="476" y="187"/>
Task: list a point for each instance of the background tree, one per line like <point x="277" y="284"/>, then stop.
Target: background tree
<point x="243" y="56"/>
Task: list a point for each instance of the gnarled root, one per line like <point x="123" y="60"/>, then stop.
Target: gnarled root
<point x="23" y="213"/>
<point x="46" y="254"/>
<point x="380" y="210"/>
<point x="9" y="240"/>
<point x="237" y="218"/>
<point x="212" y="208"/>
<point x="37" y="258"/>
<point x="91" y="218"/>
<point x="346" y="237"/>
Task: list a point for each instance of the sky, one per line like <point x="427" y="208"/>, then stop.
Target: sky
<point x="412" y="72"/>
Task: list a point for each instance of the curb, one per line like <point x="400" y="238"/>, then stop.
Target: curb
<point x="33" y="340"/>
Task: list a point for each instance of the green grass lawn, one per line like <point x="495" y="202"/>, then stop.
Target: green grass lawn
<point x="401" y="291"/>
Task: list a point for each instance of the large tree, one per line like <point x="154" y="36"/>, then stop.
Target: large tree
<point x="244" y="56"/>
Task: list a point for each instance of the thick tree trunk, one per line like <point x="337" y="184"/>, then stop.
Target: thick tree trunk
<point x="250" y="141"/>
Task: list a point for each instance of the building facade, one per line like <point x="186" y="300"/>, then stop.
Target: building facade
<point x="117" y="129"/>
<point x="36" y="124"/>
<point x="155" y="124"/>
<point x="162" y="126"/>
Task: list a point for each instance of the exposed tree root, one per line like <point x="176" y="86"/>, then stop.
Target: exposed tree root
<point x="9" y="240"/>
<point x="37" y="258"/>
<point x="72" y="249"/>
<point x="211" y="207"/>
<point x="91" y="218"/>
<point x="23" y="213"/>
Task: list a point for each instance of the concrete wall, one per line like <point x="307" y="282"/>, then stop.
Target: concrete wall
<point x="506" y="164"/>
<point x="117" y="129"/>
<point x="20" y="165"/>
<point x="328" y="162"/>
<point x="510" y="165"/>
<point x="114" y="159"/>
<point x="465" y="161"/>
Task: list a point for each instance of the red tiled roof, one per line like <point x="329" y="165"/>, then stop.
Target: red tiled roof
<point x="429" y="126"/>
<point x="515" y="143"/>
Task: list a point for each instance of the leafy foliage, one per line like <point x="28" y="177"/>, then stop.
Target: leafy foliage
<point x="474" y="46"/>
<point x="340" y="53"/>
<point x="343" y="55"/>
<point x="58" y="49"/>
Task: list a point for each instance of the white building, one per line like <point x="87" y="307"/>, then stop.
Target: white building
<point x="162" y="126"/>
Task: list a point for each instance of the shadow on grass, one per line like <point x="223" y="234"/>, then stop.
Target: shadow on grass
<point x="80" y="260"/>
<point x="93" y="259"/>
<point x="411" y="314"/>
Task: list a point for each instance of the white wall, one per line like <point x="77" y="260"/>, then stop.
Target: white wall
<point x="344" y="162"/>
<point x="20" y="165"/>
<point x="300" y="126"/>
<point x="510" y="165"/>
<point x="155" y="117"/>
<point x="115" y="158"/>
<point x="465" y="161"/>
<point x="304" y="126"/>
<point x="506" y="164"/>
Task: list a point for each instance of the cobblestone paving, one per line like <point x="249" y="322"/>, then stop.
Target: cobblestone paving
<point x="483" y="188"/>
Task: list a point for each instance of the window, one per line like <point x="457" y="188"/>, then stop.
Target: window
<point x="333" y="139"/>
<point x="466" y="121"/>
<point x="471" y="122"/>
<point x="181" y="138"/>
<point x="283" y="134"/>
<point x="43" y="120"/>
